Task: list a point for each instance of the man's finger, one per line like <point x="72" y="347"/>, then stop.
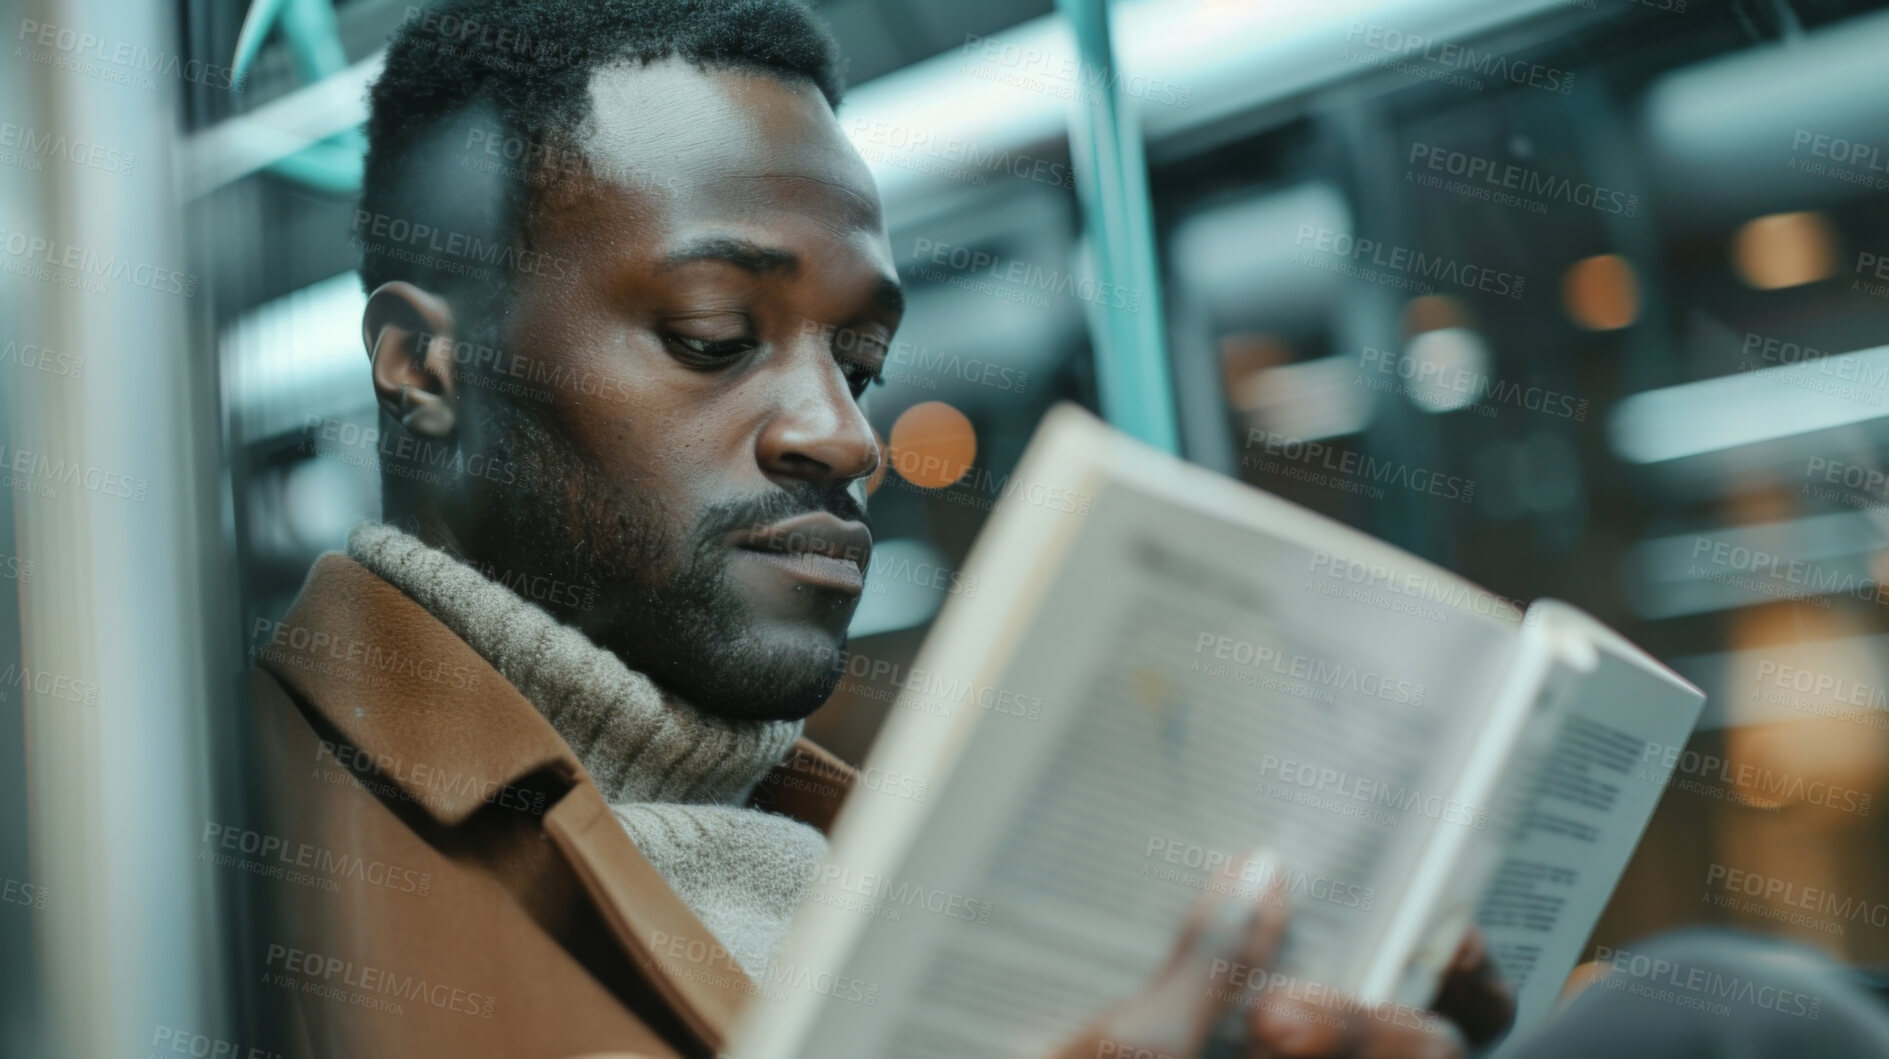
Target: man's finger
<point x="1220" y="920"/>
<point x="1230" y="937"/>
<point x="1284" y="1028"/>
<point x="1235" y="947"/>
<point x="1473" y="994"/>
<point x="1202" y="919"/>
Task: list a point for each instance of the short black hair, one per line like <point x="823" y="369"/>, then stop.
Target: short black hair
<point x="440" y="207"/>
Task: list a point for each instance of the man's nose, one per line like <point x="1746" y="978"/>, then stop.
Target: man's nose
<point x="817" y="431"/>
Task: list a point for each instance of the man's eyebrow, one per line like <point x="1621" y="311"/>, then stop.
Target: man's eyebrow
<point x="737" y="252"/>
<point x="741" y="253"/>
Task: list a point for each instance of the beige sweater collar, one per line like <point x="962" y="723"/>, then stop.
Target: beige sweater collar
<point x="638" y="744"/>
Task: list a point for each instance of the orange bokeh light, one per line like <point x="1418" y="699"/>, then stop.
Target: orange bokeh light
<point x="1601" y="293"/>
<point x="1785" y="250"/>
<point x="933" y="445"/>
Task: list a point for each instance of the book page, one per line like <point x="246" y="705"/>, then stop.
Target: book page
<point x="1586" y="811"/>
<point x="1201" y="688"/>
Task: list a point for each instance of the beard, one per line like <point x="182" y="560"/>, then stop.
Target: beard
<point x="664" y="601"/>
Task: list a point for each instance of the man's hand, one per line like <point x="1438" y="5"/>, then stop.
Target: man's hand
<point x="1473" y="994"/>
<point x="1228" y="944"/>
<point x="1473" y="1007"/>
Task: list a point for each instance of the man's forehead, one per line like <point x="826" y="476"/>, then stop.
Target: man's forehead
<point x="673" y="125"/>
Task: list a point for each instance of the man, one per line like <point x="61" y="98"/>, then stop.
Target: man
<point x="537" y="732"/>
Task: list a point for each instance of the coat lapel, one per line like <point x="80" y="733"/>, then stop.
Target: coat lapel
<point x="678" y="956"/>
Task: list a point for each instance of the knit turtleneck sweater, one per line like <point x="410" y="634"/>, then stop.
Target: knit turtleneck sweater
<point x="676" y="778"/>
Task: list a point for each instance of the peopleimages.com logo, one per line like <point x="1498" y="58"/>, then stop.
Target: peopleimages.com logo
<point x="119" y="61"/>
<point x="1820" y="907"/>
<point x="1029" y="281"/>
<point x="177" y="1041"/>
<point x="1348" y="465"/>
<point x="77" y="151"/>
<point x="1057" y="73"/>
<point x="1512" y="184"/>
<point x="1447" y="62"/>
<point x="38" y="358"/>
<point x="1317" y="674"/>
<point x="88" y="269"/>
<point x="365" y="985"/>
<point x="1398" y="266"/>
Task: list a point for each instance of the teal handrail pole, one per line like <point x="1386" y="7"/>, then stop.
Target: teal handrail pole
<point x="313" y="35"/>
<point x="1136" y="386"/>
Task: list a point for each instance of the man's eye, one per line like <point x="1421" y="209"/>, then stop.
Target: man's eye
<point x="711" y="348"/>
<point x="860" y="376"/>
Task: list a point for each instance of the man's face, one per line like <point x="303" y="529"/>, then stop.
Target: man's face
<point x="733" y="294"/>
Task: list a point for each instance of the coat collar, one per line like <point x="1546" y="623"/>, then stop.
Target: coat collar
<point x="436" y="719"/>
<point x="446" y="729"/>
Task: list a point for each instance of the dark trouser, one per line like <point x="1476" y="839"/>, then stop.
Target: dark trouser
<point x="1711" y="994"/>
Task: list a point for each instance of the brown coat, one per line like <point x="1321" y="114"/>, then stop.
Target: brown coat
<point x="446" y="878"/>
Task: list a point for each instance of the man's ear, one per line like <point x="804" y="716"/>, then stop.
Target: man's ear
<point x="409" y="337"/>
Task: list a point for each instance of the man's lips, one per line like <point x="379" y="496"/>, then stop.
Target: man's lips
<point x="817" y="547"/>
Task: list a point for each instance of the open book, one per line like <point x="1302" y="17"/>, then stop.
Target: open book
<point x="1164" y="669"/>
